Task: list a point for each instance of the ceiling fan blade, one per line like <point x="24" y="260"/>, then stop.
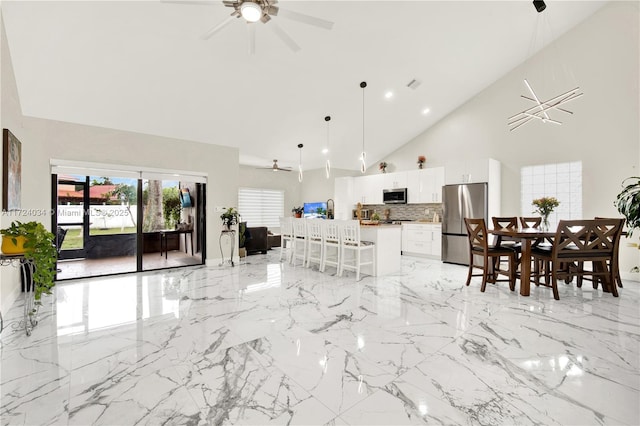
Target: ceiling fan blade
<point x="306" y="19"/>
<point x="251" y="28"/>
<point x="221" y="25"/>
<point x="286" y="38"/>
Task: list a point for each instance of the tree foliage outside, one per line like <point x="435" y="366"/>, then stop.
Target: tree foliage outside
<point x="171" y="206"/>
<point x="153" y="212"/>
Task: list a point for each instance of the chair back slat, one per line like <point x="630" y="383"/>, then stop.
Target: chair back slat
<point x="299" y="227"/>
<point x="286" y="228"/>
<point x="505" y="222"/>
<point x="477" y="230"/>
<point x="531" y="222"/>
<point x="350" y="232"/>
<point x="587" y="238"/>
<point x="314" y="229"/>
<point x="331" y="230"/>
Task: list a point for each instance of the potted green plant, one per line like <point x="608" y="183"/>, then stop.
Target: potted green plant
<point x="628" y="204"/>
<point x="297" y="211"/>
<point x="229" y="217"/>
<point x="39" y="249"/>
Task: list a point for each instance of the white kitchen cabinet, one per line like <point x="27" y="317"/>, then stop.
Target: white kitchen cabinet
<point x="472" y="171"/>
<point x="368" y="189"/>
<point x="425" y="185"/>
<point x="343" y="198"/>
<point x="422" y="239"/>
<point x="394" y="180"/>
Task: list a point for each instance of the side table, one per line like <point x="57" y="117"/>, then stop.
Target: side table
<point x="231" y="234"/>
<point x="30" y="318"/>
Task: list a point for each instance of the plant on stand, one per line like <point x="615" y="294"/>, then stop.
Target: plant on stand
<point x="544" y="207"/>
<point x="628" y="204"/>
<point x="229" y="218"/>
<point x="39" y="249"/>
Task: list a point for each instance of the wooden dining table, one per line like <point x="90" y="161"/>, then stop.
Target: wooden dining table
<point x="527" y="236"/>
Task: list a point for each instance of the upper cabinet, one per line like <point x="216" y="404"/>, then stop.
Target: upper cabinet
<point x="368" y="189"/>
<point x="425" y="185"/>
<point x="394" y="180"/>
<point x="472" y="171"/>
<point x="343" y="197"/>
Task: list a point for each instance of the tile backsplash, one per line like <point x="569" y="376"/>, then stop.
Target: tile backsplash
<point x="406" y="211"/>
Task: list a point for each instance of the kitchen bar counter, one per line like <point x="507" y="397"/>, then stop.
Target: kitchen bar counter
<point x="387" y="250"/>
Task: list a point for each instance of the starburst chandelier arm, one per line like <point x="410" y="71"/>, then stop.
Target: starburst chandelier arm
<point x="535" y="97"/>
<point x="547" y="105"/>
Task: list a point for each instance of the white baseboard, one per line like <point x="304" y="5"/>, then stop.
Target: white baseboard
<point x="215" y="262"/>
<point x="630" y="276"/>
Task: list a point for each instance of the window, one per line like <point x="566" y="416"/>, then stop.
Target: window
<point x="261" y="207"/>
<point x="562" y="180"/>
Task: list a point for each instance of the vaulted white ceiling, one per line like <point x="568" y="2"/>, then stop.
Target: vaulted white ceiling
<point x="141" y="66"/>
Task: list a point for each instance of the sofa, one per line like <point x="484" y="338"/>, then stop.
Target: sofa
<point x="257" y="240"/>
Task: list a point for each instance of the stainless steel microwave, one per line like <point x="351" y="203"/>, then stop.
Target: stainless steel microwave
<point x="394" y="196"/>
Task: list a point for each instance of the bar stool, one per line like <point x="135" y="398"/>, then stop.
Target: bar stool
<point x="299" y="240"/>
<point x="350" y="240"/>
<point x="331" y="244"/>
<point x="286" y="240"/>
<point x="314" y="240"/>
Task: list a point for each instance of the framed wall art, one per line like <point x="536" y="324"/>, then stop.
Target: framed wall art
<point x="11" y="171"/>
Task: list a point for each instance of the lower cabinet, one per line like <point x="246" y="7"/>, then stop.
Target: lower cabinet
<point x="422" y="239"/>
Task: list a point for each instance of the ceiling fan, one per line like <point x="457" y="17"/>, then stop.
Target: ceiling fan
<point x="277" y="168"/>
<point x="260" y="10"/>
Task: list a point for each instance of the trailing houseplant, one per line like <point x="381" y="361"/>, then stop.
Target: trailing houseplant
<point x="229" y="217"/>
<point x="39" y="249"/>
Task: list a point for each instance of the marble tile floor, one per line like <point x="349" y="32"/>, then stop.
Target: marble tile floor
<point x="266" y="343"/>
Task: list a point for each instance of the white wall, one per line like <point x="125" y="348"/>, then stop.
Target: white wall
<point x="43" y="140"/>
<point x="316" y="186"/>
<point x="602" y="53"/>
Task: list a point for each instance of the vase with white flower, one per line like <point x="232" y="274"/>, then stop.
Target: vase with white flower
<point x="544" y="207"/>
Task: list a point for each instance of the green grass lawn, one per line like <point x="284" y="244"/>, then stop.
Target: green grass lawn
<point x="73" y="239"/>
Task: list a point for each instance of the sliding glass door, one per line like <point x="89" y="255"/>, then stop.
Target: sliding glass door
<point x="114" y="224"/>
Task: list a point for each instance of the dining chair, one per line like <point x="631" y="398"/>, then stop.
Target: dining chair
<point x="617" y="248"/>
<point x="506" y="223"/>
<point x="579" y="241"/>
<point x="286" y="239"/>
<point x="299" y="248"/>
<point x="479" y="247"/>
<point x="331" y="244"/>
<point x="530" y="222"/>
<point x="315" y="247"/>
<point x="350" y="241"/>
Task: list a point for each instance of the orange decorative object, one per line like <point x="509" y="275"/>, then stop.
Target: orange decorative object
<point x="8" y="246"/>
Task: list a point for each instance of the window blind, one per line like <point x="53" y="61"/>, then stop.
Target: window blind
<point x="261" y="207"/>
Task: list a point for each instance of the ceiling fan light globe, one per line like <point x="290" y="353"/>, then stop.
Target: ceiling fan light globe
<point x="250" y="11"/>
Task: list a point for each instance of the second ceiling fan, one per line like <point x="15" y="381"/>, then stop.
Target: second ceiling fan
<point x="263" y="11"/>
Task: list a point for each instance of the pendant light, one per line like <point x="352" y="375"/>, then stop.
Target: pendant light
<point x="327" y="166"/>
<point x="363" y="154"/>
<point x="300" y="163"/>
<point x="541" y="108"/>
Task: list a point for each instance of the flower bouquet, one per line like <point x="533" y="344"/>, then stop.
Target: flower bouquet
<point x="544" y="207"/>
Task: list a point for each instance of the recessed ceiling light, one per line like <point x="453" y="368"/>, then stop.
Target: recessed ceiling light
<point x="388" y="95"/>
<point x="325" y="150"/>
<point x="426" y="111"/>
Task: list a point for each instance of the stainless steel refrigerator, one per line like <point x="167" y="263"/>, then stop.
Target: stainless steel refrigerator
<point x="460" y="201"/>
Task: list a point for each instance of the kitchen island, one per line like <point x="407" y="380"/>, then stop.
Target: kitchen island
<point x="388" y="246"/>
